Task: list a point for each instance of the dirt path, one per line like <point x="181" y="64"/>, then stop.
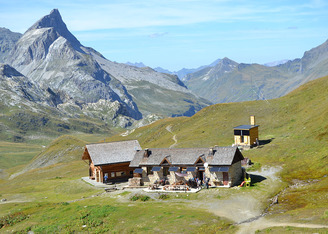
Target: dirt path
<point x="174" y="138"/>
<point x="245" y="209"/>
<point x="244" y="204"/>
<point x="263" y="223"/>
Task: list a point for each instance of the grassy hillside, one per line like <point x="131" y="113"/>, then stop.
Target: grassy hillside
<point x="295" y="124"/>
<point x="153" y="99"/>
<point x="25" y="133"/>
<point x="229" y="81"/>
<point x="293" y="132"/>
<point x="54" y="199"/>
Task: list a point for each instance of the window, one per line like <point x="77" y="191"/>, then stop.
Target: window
<point x="237" y="132"/>
<point x="245" y="132"/>
<point x="112" y="174"/>
<point x="149" y="171"/>
<point x="242" y="139"/>
<point x="165" y="171"/>
<point x="241" y="132"/>
<point x="120" y="173"/>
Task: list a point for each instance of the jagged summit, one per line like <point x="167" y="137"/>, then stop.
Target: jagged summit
<point x="54" y="20"/>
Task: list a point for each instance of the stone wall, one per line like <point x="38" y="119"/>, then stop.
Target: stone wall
<point x="135" y="182"/>
<point x="235" y="173"/>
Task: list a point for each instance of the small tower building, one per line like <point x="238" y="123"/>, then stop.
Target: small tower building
<point x="247" y="135"/>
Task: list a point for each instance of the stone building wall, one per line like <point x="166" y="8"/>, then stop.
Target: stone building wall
<point x="235" y="173"/>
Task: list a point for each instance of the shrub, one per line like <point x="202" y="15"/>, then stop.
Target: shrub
<point x="12" y="219"/>
<point x="144" y="198"/>
<point x="140" y="197"/>
<point x="134" y="198"/>
<point x="164" y="196"/>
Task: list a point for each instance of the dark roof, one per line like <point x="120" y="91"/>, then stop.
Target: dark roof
<point x="113" y="152"/>
<point x="187" y="156"/>
<point x="225" y="156"/>
<point x="247" y="127"/>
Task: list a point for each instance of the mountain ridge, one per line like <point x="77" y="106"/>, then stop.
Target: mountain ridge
<point x="7" y="42"/>
<point x="258" y="82"/>
<point x="49" y="55"/>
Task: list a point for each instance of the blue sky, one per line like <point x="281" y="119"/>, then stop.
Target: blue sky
<point x="183" y="33"/>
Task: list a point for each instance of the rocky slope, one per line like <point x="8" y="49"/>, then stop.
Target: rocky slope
<point x="229" y="81"/>
<point x="7" y="42"/>
<point x="29" y="111"/>
<point x="154" y="92"/>
<point x="50" y="56"/>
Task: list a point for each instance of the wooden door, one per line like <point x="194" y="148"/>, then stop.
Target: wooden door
<point x="225" y="178"/>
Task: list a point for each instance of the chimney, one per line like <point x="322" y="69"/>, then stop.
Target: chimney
<point x="146" y="153"/>
<point x="252" y="118"/>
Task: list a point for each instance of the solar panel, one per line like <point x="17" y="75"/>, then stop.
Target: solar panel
<point x="138" y="170"/>
<point x="156" y="169"/>
<point x="173" y="168"/>
<point x="191" y="169"/>
<point x="219" y="169"/>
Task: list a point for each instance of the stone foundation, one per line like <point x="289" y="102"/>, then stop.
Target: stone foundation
<point x="135" y="182"/>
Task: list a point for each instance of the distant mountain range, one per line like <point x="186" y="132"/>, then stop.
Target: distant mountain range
<point x="182" y="73"/>
<point x="49" y="70"/>
<point x="276" y="63"/>
<point x="63" y="74"/>
<point x="230" y="81"/>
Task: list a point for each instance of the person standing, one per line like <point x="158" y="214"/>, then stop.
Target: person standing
<point x="206" y="182"/>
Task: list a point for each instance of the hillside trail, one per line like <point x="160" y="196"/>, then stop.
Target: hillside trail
<point x="245" y="208"/>
<point x="174" y="138"/>
<point x="263" y="223"/>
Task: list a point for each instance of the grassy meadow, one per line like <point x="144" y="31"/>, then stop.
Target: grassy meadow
<point x="293" y="134"/>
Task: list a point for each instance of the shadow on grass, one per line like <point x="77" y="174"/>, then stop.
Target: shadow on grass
<point x="265" y="142"/>
<point x="257" y="178"/>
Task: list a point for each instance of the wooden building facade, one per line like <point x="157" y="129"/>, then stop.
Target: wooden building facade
<point x="247" y="135"/>
<point x="110" y="161"/>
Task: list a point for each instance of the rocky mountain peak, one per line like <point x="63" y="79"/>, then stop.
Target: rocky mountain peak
<point x="55" y="21"/>
<point x="226" y="60"/>
<point x="225" y="65"/>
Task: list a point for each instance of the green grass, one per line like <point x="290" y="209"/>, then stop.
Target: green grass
<point x="90" y="216"/>
<point x="14" y="154"/>
<point x="49" y="207"/>
<point x="293" y="230"/>
<point x="294" y="129"/>
<point x="164" y="102"/>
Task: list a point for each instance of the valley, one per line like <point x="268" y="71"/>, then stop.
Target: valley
<point x="57" y="96"/>
<point x="300" y="177"/>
